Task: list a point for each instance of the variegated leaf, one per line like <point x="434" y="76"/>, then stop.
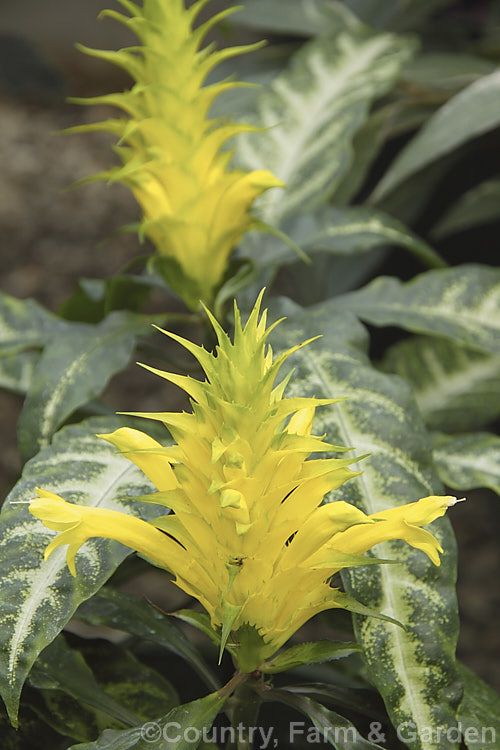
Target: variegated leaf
<point x="16" y="370"/>
<point x="312" y="111"/>
<point x="466" y="462"/>
<point x="467" y="115"/>
<point x="38" y="598"/>
<point x="301" y="17"/>
<point x="414" y="669"/>
<point x="74" y="368"/>
<point x="461" y="304"/>
<point x="455" y="388"/>
<point x="25" y="324"/>
<point x="339" y="231"/>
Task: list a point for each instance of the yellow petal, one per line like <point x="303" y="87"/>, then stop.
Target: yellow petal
<point x="146" y="453"/>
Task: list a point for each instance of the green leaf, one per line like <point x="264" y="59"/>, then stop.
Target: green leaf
<point x="123" y="612"/>
<point x="300" y="17"/>
<point x="66" y="715"/>
<point x="467" y="115"/>
<point x="32" y="734"/>
<point x="308" y="653"/>
<point x="74" y="368"/>
<point x="479" y="713"/>
<point x="175" y="731"/>
<point x="38" y="598"/>
<point x="348" y="231"/>
<point x="461" y="304"/>
<point x="367" y="143"/>
<point x="455" y="388"/>
<point x="413" y="668"/>
<point x="446" y="70"/>
<point x="330" y="726"/>
<point x="361" y="698"/>
<point x="60" y="667"/>
<point x="95" y="298"/>
<point x="341" y="232"/>
<point x="16" y="370"/>
<point x="466" y="462"/>
<point x="138" y="687"/>
<point x="25" y="324"/>
<point x="477" y="206"/>
<point x="86" y="304"/>
<point x="199" y="620"/>
<point x="311" y="113"/>
<point x="404" y="14"/>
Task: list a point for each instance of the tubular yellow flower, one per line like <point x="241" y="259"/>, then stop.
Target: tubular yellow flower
<point x="195" y="208"/>
<point x="247" y="534"/>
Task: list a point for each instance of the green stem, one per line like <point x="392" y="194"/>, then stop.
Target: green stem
<point x="244" y="713"/>
<point x="236" y="680"/>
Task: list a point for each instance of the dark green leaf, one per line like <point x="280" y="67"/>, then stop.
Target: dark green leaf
<point x="66" y="715"/>
<point x="308" y="653"/>
<point x="60" y="667"/>
<point x="360" y="698"/>
<point x="32" y="734"/>
<point x="404" y="14"/>
<point x="175" y="731"/>
<point x="136" y="616"/>
<point x="135" y="686"/>
<point x="446" y="70"/>
<point x="138" y="687"/>
<point x="479" y="713"/>
<point x="477" y="206"/>
<point x="127" y="293"/>
<point x="330" y="726"/>
<point x="467" y="115"/>
<point x="86" y="304"/>
<point x="367" y="143"/>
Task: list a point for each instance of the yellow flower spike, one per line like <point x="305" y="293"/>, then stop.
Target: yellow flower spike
<point x="247" y="534"/>
<point x="195" y="208"/>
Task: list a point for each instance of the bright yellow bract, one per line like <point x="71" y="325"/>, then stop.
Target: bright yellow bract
<point x="195" y="208"/>
<point x="247" y="536"/>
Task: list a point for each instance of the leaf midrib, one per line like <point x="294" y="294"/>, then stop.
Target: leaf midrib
<point x="49" y="568"/>
<point x="384" y="571"/>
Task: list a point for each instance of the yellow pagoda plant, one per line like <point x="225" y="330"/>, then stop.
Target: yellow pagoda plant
<point x="195" y="207"/>
<point x="247" y="533"/>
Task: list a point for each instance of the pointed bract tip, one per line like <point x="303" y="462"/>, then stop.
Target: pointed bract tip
<point x="454" y="500"/>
